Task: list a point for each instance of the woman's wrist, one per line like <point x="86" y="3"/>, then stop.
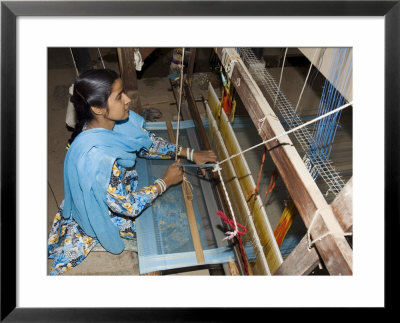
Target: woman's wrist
<point x="186" y="152"/>
<point x="191" y="156"/>
<point x="161" y="185"/>
<point x="166" y="181"/>
<point x="189" y="153"/>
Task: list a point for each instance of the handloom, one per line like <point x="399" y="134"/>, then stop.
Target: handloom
<point x="163" y="235"/>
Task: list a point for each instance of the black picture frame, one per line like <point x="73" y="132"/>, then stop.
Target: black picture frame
<point x="10" y="10"/>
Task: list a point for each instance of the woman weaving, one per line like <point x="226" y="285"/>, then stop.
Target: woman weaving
<point x="102" y="199"/>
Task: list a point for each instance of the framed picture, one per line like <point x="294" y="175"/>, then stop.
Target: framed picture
<point x="28" y="28"/>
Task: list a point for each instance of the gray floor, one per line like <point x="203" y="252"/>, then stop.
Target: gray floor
<point x="158" y="103"/>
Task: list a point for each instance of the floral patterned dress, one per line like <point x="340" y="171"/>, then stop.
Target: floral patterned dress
<point x="69" y="245"/>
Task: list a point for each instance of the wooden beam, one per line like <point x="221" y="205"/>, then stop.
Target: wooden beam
<point x="301" y="260"/>
<point x="127" y="68"/>
<point x="145" y="52"/>
<point x="196" y="116"/>
<point x="188" y="196"/>
<point x="342" y="206"/>
<point x="126" y="59"/>
<point x="190" y="68"/>
<point x="311" y="204"/>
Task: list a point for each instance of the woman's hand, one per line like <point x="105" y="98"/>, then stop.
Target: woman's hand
<point x="203" y="157"/>
<point x="174" y="174"/>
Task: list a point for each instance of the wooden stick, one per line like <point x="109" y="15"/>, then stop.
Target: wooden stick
<point x="233" y="269"/>
<point x="188" y="196"/>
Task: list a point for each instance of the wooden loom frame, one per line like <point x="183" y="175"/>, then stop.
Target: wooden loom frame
<point x="333" y="249"/>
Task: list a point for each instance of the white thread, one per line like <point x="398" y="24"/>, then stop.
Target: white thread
<point x="187" y="181"/>
<point x="309" y="70"/>
<point x="138" y="59"/>
<point x="230" y="234"/>
<point x="237" y="82"/>
<point x="280" y="79"/>
<point x="262" y="120"/>
<point x="289" y="131"/>
<point x="229" y="60"/>
<point x="101" y="57"/>
<point x="187" y="153"/>
<point x="73" y="60"/>
<point x="179" y="104"/>
<point x="191" y="156"/>
<point x="261" y="123"/>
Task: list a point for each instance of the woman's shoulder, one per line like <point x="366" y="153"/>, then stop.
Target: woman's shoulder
<point x="91" y="137"/>
<point x="90" y="143"/>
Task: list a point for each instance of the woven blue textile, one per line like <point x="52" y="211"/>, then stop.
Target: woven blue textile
<point x="164" y="238"/>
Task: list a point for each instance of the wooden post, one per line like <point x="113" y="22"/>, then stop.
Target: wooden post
<point x="192" y="59"/>
<point x="342" y="206"/>
<point x="301" y="260"/>
<point x="311" y="204"/>
<point x="127" y="68"/>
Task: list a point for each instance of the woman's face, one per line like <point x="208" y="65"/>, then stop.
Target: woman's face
<point x="118" y="103"/>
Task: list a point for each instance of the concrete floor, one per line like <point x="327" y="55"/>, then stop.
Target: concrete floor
<point x="158" y="104"/>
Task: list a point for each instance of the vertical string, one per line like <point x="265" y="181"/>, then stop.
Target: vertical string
<point x="179" y="104"/>
<point x="262" y="120"/>
<point x="280" y="79"/>
<point x="73" y="60"/>
<point x="101" y="57"/>
<point x="309" y="70"/>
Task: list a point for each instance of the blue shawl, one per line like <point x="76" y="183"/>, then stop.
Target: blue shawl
<point x="87" y="170"/>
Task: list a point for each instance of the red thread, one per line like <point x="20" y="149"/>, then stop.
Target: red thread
<point x="231" y="223"/>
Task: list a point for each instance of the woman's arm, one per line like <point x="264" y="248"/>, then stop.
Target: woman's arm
<point x="133" y="203"/>
<point x="122" y="200"/>
<point x="160" y="148"/>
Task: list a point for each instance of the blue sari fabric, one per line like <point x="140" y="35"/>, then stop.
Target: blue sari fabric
<point x="87" y="168"/>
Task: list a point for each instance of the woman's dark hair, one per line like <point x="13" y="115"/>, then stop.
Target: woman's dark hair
<point x="91" y="88"/>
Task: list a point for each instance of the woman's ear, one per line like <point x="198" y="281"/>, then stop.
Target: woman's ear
<point x="97" y="111"/>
